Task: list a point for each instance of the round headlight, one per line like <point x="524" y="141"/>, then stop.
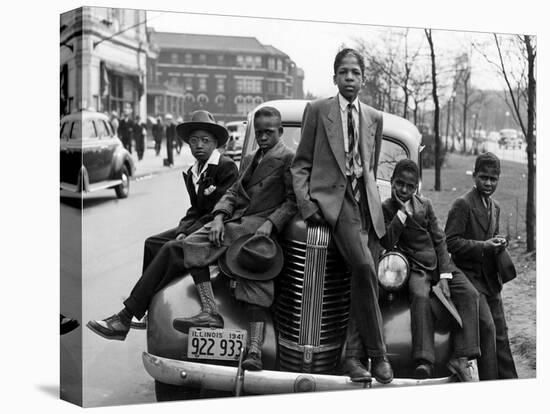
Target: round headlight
<point x="393" y="271"/>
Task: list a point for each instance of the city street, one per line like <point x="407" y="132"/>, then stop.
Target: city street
<point x="113" y="232"/>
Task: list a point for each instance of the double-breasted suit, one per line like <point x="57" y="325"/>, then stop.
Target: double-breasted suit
<point x="470" y="222"/>
<point x="321" y="184"/>
<point x="262" y="192"/>
<point x="163" y="255"/>
<point x="422" y="241"/>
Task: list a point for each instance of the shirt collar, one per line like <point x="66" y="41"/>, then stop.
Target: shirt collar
<point x="344" y="103"/>
<point x="213" y="160"/>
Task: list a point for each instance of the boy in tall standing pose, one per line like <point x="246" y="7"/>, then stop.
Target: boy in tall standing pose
<point x="334" y="179"/>
<point x="472" y="229"/>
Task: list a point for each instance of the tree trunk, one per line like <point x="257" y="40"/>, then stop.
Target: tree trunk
<point x="530" y="214"/>
<point x="437" y="186"/>
<point x="465" y="111"/>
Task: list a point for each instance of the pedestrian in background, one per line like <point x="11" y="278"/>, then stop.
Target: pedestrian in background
<point x="139" y="133"/>
<point x="125" y="132"/>
<point x="170" y="136"/>
<point x="179" y="141"/>
<point x="114" y="120"/>
<point x="158" y="134"/>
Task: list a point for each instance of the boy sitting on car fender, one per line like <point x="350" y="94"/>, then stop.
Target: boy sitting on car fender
<point x="412" y="229"/>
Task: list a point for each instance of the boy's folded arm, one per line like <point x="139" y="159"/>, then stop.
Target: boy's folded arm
<point x="394" y="228"/>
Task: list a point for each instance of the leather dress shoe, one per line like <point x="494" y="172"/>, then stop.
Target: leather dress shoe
<point x="381" y="369"/>
<point x="461" y="368"/>
<point x="67" y="325"/>
<point x="111" y="328"/>
<point x="200" y="320"/>
<point x="355" y="370"/>
<point x="423" y="370"/>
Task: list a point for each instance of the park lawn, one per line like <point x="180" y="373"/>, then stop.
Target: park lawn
<point x="519" y="296"/>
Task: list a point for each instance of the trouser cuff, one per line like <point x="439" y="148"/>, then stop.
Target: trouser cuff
<point x="470" y="353"/>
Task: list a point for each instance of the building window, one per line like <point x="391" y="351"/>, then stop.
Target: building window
<point x="221" y="60"/>
<point x="240" y="60"/>
<point x="202" y="59"/>
<point x="188" y="83"/>
<point x="202" y="83"/>
<point x="270" y="87"/>
<point x="220" y="100"/>
<point x="248" y="85"/>
<point x="220" y="85"/>
<point x="280" y="88"/>
<point x="279" y="65"/>
<point x="174" y="81"/>
<point x="188" y="59"/>
<point x="271" y="63"/>
<point x="257" y="62"/>
<point x="258" y="100"/>
<point x="174" y="58"/>
<point x="189" y="98"/>
<point x="202" y="99"/>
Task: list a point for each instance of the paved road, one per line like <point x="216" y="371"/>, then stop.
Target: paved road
<point x="113" y="232"/>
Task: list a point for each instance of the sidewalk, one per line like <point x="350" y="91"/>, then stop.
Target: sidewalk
<point x="152" y="164"/>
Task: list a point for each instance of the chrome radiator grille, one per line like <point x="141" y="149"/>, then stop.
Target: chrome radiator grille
<point x="313" y="303"/>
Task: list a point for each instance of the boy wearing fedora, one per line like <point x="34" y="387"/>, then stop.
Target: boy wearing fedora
<point x="412" y="229"/>
<point x="472" y="236"/>
<point x="259" y="203"/>
<point x="206" y="181"/>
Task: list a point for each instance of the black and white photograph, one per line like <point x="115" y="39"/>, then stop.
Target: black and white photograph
<point x="244" y="212"/>
<point x="279" y="208"/>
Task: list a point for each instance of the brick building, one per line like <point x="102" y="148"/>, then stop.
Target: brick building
<point x="226" y="75"/>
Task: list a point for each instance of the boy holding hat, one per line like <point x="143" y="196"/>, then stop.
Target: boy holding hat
<point x="260" y="203"/>
<point x="472" y="237"/>
<point x="412" y="229"/>
<point x="206" y="181"/>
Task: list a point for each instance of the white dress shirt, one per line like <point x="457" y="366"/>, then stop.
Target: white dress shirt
<point x="196" y="174"/>
<point x="344" y="117"/>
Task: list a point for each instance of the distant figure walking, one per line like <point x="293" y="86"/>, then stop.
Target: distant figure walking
<point x="139" y="133"/>
<point x="158" y="134"/>
<point x="170" y="136"/>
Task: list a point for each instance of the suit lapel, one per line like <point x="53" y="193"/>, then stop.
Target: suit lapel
<point x="335" y="135"/>
<point x="366" y="138"/>
<point x="480" y="212"/>
<point x="188" y="179"/>
<point x="419" y="212"/>
<point x="267" y="165"/>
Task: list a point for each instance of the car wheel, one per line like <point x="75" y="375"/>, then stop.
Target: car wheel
<point x="123" y="189"/>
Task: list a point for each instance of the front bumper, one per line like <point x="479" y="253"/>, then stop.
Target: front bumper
<point x="222" y="378"/>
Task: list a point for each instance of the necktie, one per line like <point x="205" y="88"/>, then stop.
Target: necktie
<point x="353" y="154"/>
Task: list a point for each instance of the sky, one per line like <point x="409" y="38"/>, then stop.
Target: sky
<point x="313" y="45"/>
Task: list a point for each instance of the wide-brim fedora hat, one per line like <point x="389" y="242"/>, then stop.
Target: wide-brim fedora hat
<point x="204" y="120"/>
<point x="253" y="257"/>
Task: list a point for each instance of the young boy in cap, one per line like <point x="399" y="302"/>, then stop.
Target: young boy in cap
<point x="260" y="202"/>
<point x="334" y="178"/>
<point x="472" y="236"/>
<point x="206" y="181"/>
<point x="412" y="229"/>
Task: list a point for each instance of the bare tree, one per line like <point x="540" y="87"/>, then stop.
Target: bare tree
<point x="437" y="186"/>
<point x="516" y="65"/>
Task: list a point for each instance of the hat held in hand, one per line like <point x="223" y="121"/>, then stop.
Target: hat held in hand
<point x="253" y="257"/>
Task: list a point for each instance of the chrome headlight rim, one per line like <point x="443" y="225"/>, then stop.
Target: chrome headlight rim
<point x="381" y="280"/>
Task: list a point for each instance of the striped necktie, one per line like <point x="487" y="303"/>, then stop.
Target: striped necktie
<point x="353" y="154"/>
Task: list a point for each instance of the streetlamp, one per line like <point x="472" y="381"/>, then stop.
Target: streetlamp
<point x="507" y="119"/>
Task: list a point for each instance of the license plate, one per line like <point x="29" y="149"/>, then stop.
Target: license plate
<point x="208" y="343"/>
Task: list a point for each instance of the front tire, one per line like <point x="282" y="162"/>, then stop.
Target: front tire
<point x="123" y="189"/>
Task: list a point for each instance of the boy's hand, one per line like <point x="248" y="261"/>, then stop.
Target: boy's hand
<point x="265" y="229"/>
<point x="444" y="286"/>
<point x="494" y="245"/>
<point x="217" y="231"/>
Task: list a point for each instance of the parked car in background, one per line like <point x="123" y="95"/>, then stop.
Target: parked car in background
<point x="305" y="337"/>
<point x="234" y="146"/>
<point x="92" y="156"/>
<point x="509" y="138"/>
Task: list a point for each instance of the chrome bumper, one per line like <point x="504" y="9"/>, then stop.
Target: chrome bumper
<point x="222" y="378"/>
